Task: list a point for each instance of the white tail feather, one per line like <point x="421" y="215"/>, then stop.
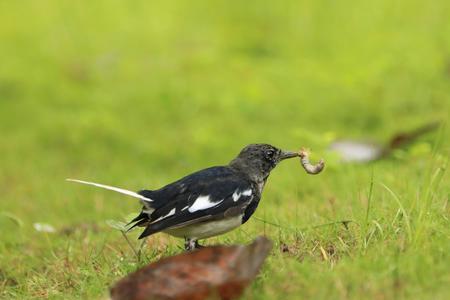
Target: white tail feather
<point x="112" y="188"/>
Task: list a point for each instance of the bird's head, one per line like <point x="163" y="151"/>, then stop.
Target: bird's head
<point x="257" y="160"/>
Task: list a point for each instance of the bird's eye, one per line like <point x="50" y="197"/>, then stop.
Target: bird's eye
<point x="270" y="154"/>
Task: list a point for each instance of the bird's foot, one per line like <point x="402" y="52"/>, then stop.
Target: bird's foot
<point x="191" y="244"/>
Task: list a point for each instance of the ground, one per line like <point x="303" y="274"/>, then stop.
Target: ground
<point x="137" y="94"/>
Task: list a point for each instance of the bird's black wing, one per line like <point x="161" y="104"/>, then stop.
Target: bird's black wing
<point x="208" y="194"/>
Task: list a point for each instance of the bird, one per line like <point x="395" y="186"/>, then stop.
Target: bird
<point x="208" y="202"/>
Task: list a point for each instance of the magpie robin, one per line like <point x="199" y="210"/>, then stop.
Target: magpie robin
<point x="208" y="202"/>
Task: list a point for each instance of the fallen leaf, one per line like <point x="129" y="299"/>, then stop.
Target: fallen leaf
<point x="217" y="271"/>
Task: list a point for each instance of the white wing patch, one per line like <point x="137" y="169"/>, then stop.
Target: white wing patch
<point x="112" y="188"/>
<point x="202" y="202"/>
<point x="247" y="192"/>
<point x="171" y="213"/>
<point x="237" y="195"/>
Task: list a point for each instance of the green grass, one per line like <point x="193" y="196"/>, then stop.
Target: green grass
<point x="140" y="93"/>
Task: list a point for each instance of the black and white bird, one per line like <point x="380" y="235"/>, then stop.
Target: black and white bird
<point x="208" y="202"/>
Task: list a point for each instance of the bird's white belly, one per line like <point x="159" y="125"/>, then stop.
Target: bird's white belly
<point x="206" y="229"/>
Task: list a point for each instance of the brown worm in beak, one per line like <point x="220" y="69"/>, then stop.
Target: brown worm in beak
<point x="309" y="168"/>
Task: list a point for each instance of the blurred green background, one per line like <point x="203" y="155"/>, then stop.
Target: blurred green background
<point x="139" y="93"/>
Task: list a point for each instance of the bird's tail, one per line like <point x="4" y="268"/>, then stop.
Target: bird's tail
<point x="141" y="220"/>
<point x="113" y="188"/>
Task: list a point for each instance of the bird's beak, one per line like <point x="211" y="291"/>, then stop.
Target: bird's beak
<point x="288" y="154"/>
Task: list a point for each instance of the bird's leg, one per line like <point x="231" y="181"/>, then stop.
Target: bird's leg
<point x="190" y="244"/>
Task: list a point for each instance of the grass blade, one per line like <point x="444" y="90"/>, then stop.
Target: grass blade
<point x="402" y="209"/>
